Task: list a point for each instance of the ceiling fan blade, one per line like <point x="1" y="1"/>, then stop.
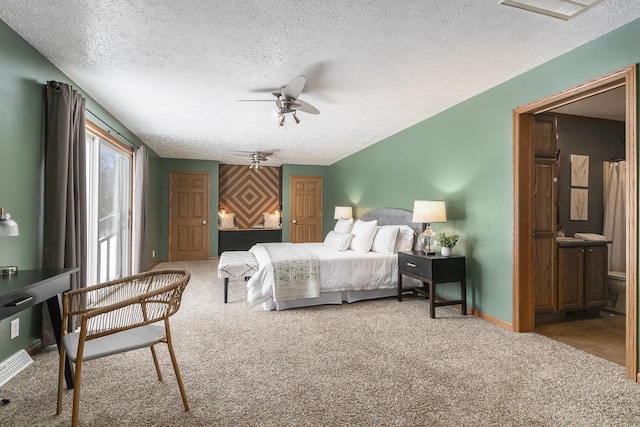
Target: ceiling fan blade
<point x="260" y="155"/>
<point x="276" y="94"/>
<point x="250" y="153"/>
<point x="294" y="88"/>
<point x="306" y="107"/>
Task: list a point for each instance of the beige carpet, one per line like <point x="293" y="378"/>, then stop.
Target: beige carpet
<point x="375" y="363"/>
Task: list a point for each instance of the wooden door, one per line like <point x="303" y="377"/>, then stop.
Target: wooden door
<point x="306" y="209"/>
<point x="544" y="215"/>
<point x="595" y="276"/>
<point x="189" y="216"/>
<point x="570" y="278"/>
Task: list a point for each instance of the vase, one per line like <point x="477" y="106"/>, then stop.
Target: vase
<point x="445" y="251"/>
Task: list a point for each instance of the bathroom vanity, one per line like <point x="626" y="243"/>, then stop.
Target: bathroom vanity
<point x="580" y="279"/>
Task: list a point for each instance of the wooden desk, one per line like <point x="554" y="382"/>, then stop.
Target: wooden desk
<point x="31" y="287"/>
<point x="431" y="270"/>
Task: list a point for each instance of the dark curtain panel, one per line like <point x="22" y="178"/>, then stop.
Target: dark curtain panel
<point x="65" y="208"/>
<point x="140" y="207"/>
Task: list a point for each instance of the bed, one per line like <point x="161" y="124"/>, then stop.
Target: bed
<point x="340" y="275"/>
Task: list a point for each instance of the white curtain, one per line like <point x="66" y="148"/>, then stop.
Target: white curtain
<point x="614" y="227"/>
<point x="140" y="207"/>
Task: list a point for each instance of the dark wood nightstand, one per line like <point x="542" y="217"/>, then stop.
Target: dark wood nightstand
<point x="431" y="270"/>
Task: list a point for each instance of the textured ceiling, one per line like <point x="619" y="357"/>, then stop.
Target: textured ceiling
<point x="609" y="105"/>
<point x="173" y="70"/>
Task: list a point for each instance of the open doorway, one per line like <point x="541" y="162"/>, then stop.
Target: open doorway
<point x="527" y="248"/>
<point x="590" y="259"/>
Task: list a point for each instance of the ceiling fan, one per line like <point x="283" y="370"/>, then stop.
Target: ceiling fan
<point x="287" y="101"/>
<point x="256" y="157"/>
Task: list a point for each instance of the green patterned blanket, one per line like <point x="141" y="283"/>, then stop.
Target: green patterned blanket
<point x="296" y="271"/>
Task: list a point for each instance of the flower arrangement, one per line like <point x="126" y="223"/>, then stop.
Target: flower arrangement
<point x="448" y="241"/>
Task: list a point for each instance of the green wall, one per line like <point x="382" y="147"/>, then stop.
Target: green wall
<point x="23" y="73"/>
<point x="464" y="156"/>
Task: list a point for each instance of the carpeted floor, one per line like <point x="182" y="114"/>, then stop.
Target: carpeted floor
<point x="374" y="363"/>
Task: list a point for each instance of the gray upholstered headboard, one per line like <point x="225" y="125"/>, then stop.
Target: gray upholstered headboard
<point x="395" y="216"/>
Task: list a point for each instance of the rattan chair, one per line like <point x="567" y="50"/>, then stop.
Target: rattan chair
<point x="119" y="316"/>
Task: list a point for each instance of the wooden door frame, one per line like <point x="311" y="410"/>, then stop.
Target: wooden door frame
<point x="523" y="153"/>
<point x="171" y="207"/>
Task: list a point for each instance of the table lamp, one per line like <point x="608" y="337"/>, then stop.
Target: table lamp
<point x="8" y="227"/>
<point x="426" y="212"/>
<point x="344" y="212"/>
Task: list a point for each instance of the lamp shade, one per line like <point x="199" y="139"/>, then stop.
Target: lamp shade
<point x="344" y="212"/>
<point x="8" y="227"/>
<point x="428" y="211"/>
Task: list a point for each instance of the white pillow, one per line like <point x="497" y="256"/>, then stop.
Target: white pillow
<point x="343" y="226"/>
<point x="363" y="234"/>
<point x="228" y="220"/>
<point x="404" y="241"/>
<point x="271" y="220"/>
<point x="339" y="241"/>
<point x="384" y="241"/>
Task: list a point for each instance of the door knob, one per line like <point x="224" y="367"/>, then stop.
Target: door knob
<point x="204" y="221"/>
<point x="294" y="221"/>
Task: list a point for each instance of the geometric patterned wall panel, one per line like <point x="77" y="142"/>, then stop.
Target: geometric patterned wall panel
<point x="248" y="193"/>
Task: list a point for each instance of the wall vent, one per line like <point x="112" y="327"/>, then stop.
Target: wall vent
<point x="563" y="9"/>
<point x="14" y="365"/>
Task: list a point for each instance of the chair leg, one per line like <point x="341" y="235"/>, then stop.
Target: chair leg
<point x="76" y="393"/>
<point x="155" y="362"/>
<point x="175" y="367"/>
<point x="60" y="378"/>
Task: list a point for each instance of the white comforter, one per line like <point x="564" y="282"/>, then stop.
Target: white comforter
<point x="339" y="271"/>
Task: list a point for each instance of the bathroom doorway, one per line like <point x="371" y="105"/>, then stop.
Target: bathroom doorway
<point x="589" y="283"/>
<point x="527" y="250"/>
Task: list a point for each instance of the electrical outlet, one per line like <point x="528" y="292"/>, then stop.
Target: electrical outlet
<point x="15" y="328"/>
<point x="153" y="254"/>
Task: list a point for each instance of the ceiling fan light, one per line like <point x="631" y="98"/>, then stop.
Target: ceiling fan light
<point x="296" y="118"/>
<point x="282" y="121"/>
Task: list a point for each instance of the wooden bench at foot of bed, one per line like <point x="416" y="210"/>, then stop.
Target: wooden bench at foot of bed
<point x="235" y="264"/>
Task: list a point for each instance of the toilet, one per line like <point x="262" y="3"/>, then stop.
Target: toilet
<point x="617" y="289"/>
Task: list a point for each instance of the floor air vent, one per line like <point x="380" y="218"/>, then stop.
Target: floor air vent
<point x="13" y="365"/>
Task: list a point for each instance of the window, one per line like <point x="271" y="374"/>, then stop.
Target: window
<point x="109" y="171"/>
